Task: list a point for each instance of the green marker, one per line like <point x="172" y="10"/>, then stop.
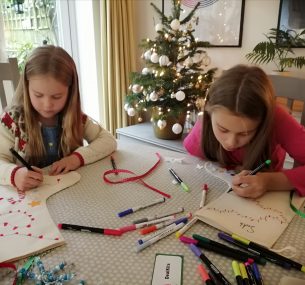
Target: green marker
<point x="179" y="180"/>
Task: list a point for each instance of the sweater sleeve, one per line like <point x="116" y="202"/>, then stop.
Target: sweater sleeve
<point x="7" y="164"/>
<point x="100" y="142"/>
<point x="192" y="142"/>
<point x="291" y="136"/>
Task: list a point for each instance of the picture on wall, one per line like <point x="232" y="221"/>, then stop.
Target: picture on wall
<point x="220" y="22"/>
<point x="292" y="16"/>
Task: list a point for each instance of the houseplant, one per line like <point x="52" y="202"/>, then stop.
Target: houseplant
<point x="279" y="49"/>
<point x="173" y="80"/>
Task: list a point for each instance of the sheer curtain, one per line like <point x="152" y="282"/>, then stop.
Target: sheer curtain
<point x="117" y="59"/>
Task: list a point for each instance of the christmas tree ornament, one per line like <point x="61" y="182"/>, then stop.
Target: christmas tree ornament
<point x="140" y="119"/>
<point x="126" y="106"/>
<point x="146" y="71"/>
<point x="153" y="96"/>
<point x="136" y="88"/>
<point x="180" y="95"/>
<point x="175" y="24"/>
<point x="159" y="27"/>
<point x="131" y="112"/>
<point x="147" y="54"/>
<point x="154" y="58"/>
<point x="177" y="128"/>
<point x="161" y="124"/>
<point x="163" y="60"/>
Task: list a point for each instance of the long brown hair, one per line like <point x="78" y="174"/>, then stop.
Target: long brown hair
<point x="56" y="62"/>
<point x="246" y="91"/>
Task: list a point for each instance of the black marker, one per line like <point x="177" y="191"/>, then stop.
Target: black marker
<point x="17" y="156"/>
<point x="113" y="164"/>
<point x="112" y="232"/>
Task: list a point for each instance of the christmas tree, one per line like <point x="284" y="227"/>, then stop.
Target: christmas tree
<point x="173" y="81"/>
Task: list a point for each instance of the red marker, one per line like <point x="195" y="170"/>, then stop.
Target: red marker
<point x="204" y="275"/>
<point x="111" y="232"/>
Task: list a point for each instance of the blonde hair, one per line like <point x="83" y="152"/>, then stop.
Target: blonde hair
<point x="56" y="62"/>
<point x="246" y="91"/>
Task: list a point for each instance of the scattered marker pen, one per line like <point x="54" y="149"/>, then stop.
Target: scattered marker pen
<point x="237" y="273"/>
<point x="137" y="208"/>
<point x="179" y="180"/>
<point x="113" y="164"/>
<point x="186" y="227"/>
<point x="142" y="220"/>
<point x="204" y="275"/>
<point x="244" y="274"/>
<point x="112" y="232"/>
<point x="203" y="196"/>
<point x="209" y="265"/>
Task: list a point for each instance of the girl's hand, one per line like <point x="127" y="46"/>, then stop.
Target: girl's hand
<point x="249" y="186"/>
<point x="65" y="165"/>
<point x="26" y="179"/>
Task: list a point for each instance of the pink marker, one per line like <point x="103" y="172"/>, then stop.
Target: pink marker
<point x="204" y="194"/>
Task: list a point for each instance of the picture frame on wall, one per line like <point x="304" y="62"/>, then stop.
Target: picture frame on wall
<point x="292" y="17"/>
<point x="220" y="22"/>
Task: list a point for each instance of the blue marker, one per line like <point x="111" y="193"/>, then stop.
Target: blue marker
<point x="137" y="208"/>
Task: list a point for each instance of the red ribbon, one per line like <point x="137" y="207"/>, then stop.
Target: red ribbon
<point x="137" y="178"/>
<point x="10" y="266"/>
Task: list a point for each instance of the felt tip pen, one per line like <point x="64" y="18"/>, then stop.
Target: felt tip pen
<point x="158" y="237"/>
<point x="113" y="164"/>
<point x="164" y="224"/>
<point x="250" y="273"/>
<point x="257" y="169"/>
<point x="186" y="227"/>
<point x="236" y="270"/>
<point x="137" y="208"/>
<point x="244" y="274"/>
<point x="226" y="250"/>
<point x="112" y="232"/>
<point x="203" y="195"/>
<point x="21" y="159"/>
<point x="229" y="239"/>
<point x="133" y="227"/>
<point x="220" y="277"/>
<point x="204" y="275"/>
<point x="154" y="234"/>
<point x="269" y="253"/>
<point x="142" y="220"/>
<point x="257" y="274"/>
<point x="179" y="180"/>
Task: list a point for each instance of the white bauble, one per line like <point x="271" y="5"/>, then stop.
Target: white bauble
<point x="131" y="112"/>
<point x="154" y="58"/>
<point x="163" y="60"/>
<point x="188" y="62"/>
<point x="147" y="54"/>
<point x="146" y="70"/>
<point x="153" y="96"/>
<point x="180" y="95"/>
<point x="136" y="88"/>
<point x="177" y="128"/>
<point x="126" y="107"/>
<point x="175" y="24"/>
<point x="161" y="124"/>
<point x="159" y="27"/>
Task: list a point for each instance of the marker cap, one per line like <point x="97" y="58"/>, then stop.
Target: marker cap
<point x="124" y="213"/>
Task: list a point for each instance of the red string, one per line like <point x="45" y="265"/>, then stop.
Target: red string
<point x="11" y="266"/>
<point x="137" y="178"/>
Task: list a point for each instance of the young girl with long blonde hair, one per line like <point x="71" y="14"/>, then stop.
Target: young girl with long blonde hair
<point x="45" y="123"/>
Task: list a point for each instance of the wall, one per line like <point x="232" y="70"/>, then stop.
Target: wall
<point x="259" y="17"/>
